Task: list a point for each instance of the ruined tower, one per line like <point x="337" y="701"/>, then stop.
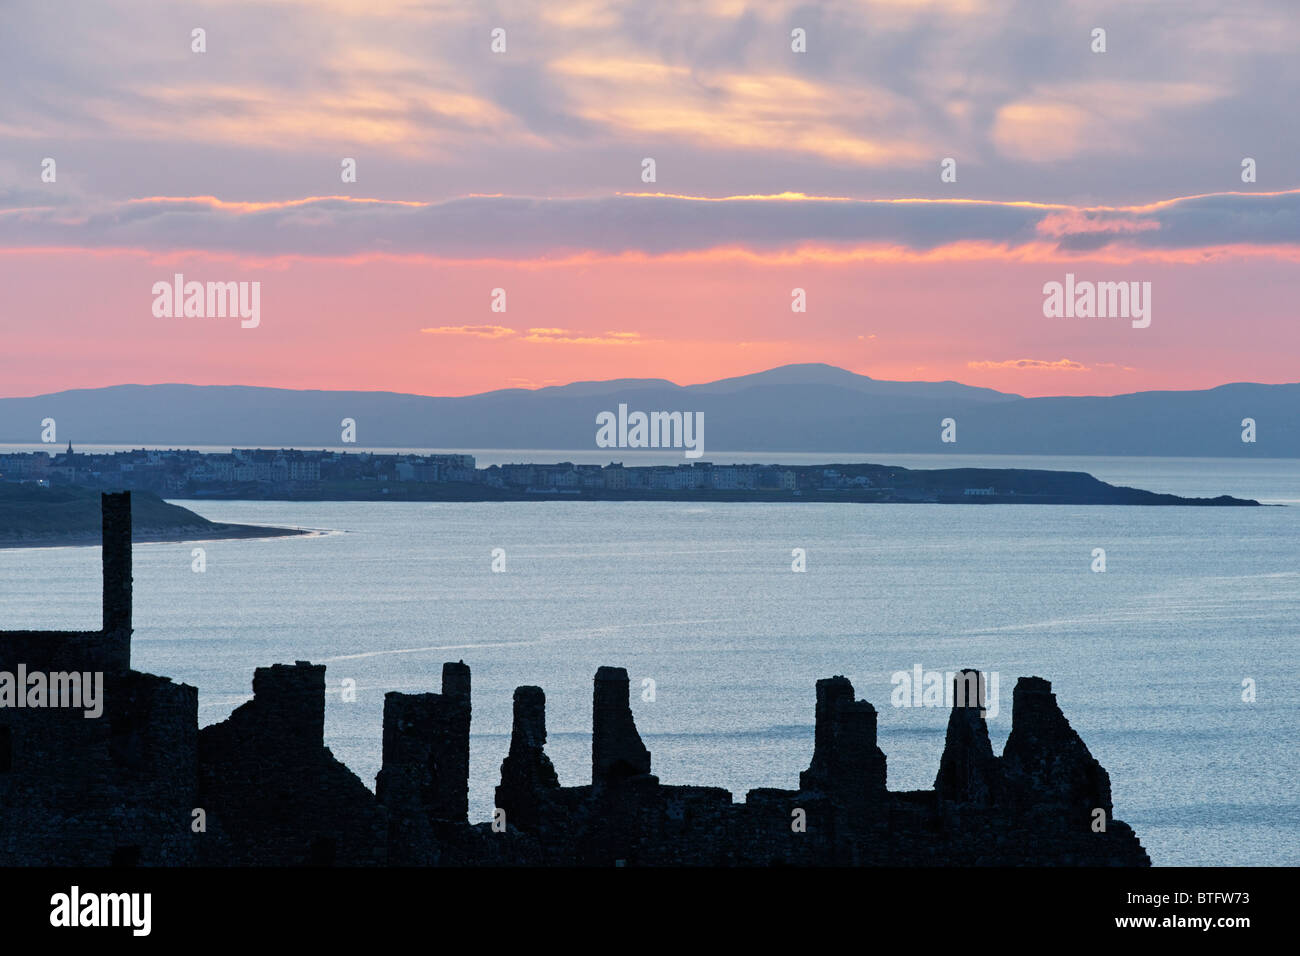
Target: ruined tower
<point x="425" y="774"/>
<point x="968" y="771"/>
<point x="846" y="766"/>
<point x="528" y="779"/>
<point x="616" y="748"/>
<point x="1045" y="761"/>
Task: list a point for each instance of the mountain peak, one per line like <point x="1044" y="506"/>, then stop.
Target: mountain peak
<point x="801" y="373"/>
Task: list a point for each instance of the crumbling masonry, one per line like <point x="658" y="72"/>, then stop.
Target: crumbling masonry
<point x="127" y="788"/>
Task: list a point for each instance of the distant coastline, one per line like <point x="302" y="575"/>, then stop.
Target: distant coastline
<point x="32" y="516"/>
<point x="471" y="494"/>
<point x="298" y="475"/>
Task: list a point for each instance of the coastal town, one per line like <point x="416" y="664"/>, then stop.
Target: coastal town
<point x="292" y="473"/>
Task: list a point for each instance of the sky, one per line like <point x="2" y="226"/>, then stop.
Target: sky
<point x="502" y="229"/>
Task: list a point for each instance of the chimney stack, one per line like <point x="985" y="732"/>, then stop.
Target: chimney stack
<point x="116" y="512"/>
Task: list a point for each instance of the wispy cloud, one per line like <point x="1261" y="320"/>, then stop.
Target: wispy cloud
<point x="567" y="337"/>
<point x="1060" y="365"/>
<point x="477" y="331"/>
<point x="545" y="336"/>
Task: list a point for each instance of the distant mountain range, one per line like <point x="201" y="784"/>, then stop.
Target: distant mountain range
<point x="794" y="408"/>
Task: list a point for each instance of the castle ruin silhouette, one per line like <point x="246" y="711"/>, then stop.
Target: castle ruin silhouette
<point x="124" y="789"/>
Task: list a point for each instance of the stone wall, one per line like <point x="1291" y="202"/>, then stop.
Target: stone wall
<point x="1038" y="809"/>
<point x="425" y="774"/>
<point x="273" y="794"/>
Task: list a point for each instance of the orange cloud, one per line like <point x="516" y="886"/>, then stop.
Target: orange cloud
<point x="770" y="111"/>
<point x="1063" y="121"/>
<point x="566" y="337"/>
<point x="1060" y="365"/>
<point x="479" y="331"/>
<point x="545" y="336"/>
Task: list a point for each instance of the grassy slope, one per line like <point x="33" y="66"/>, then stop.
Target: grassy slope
<point x="29" y="509"/>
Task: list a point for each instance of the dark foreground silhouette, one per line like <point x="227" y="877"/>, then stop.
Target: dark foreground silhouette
<point x="141" y="784"/>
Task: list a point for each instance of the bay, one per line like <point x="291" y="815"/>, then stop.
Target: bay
<point x="1147" y="660"/>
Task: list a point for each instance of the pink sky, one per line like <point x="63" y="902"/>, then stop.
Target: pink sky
<point x="522" y="171"/>
<point x="327" y="324"/>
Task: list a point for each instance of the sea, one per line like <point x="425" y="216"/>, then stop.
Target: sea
<point x="1177" y="664"/>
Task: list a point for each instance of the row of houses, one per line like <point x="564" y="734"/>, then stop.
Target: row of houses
<point x="184" y="471"/>
<point x="176" y="471"/>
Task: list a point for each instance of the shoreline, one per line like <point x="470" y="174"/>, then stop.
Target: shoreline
<point x="476" y="494"/>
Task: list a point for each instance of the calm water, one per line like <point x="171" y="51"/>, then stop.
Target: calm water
<point x="1147" y="659"/>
